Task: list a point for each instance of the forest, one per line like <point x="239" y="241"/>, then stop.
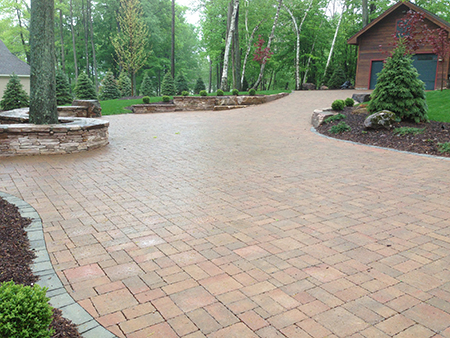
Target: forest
<point x="264" y="44"/>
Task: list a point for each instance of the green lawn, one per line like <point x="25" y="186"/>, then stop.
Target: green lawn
<point x="439" y="105"/>
<point x="114" y="107"/>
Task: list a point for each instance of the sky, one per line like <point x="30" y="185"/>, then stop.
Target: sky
<point x="192" y="17"/>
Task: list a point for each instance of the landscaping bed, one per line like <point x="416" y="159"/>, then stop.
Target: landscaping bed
<point x="17" y="258"/>
<point x="425" y="142"/>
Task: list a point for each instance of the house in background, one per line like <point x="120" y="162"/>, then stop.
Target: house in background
<point x="9" y="63"/>
<point x="377" y="38"/>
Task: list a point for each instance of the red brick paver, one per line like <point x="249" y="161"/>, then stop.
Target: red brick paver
<point x="243" y="223"/>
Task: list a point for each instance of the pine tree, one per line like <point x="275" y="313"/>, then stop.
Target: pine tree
<point x="146" y="86"/>
<point x="14" y="96"/>
<point x="124" y="83"/>
<point x="399" y="89"/>
<point x="181" y="84"/>
<point x="337" y="78"/>
<point x="109" y="89"/>
<point x="84" y="89"/>
<point x="63" y="95"/>
<point x="168" y="85"/>
<point x="200" y="85"/>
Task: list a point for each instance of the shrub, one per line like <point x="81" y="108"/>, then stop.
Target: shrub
<point x="110" y="88"/>
<point x="408" y="130"/>
<point x="340" y="128"/>
<point x="146" y="86"/>
<point x="146" y="99"/>
<point x="200" y="85"/>
<point x="63" y="95"/>
<point x="84" y="89"/>
<point x="333" y="118"/>
<point x="219" y="92"/>
<point x="166" y="98"/>
<point x="337" y="105"/>
<point x="181" y="84"/>
<point x="444" y="147"/>
<point x="337" y="78"/>
<point x="235" y="92"/>
<point x="185" y="93"/>
<point x="14" y="96"/>
<point x="203" y="93"/>
<point x="349" y="102"/>
<point x="399" y="89"/>
<point x="252" y="92"/>
<point x="168" y="85"/>
<point x="124" y="84"/>
<point x="24" y="311"/>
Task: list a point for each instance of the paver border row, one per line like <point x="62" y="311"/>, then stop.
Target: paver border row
<point x="43" y="268"/>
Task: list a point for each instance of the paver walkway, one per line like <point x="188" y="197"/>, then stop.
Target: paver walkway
<point x="243" y="223"/>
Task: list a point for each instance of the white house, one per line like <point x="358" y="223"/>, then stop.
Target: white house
<point x="9" y="63"/>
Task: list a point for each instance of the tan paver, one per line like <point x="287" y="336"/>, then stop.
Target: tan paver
<point x="245" y="223"/>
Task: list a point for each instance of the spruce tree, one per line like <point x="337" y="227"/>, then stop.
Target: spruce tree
<point x="337" y="78"/>
<point x="124" y="83"/>
<point x="14" y="96"/>
<point x="84" y="89"/>
<point x="199" y="86"/>
<point x="63" y="95"/>
<point x="168" y="85"/>
<point x="109" y="89"/>
<point x="146" y="86"/>
<point x="399" y="89"/>
<point x="181" y="84"/>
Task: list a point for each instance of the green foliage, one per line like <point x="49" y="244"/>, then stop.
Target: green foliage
<point x="124" y="84"/>
<point x="84" y="89"/>
<point x="336" y="117"/>
<point x="235" y="92"/>
<point x="444" y="147"/>
<point x="252" y="92"/>
<point x="146" y="86"/>
<point x="166" y="98"/>
<point x="110" y="88"/>
<point x="168" y="85"/>
<point x="337" y="78"/>
<point x="185" y="93"/>
<point x="408" y="130"/>
<point x="63" y="95"/>
<point x="146" y="99"/>
<point x="203" y="93"/>
<point x="200" y="85"/>
<point x="14" y="96"/>
<point x="181" y="84"/>
<point x="399" y="89"/>
<point x="349" y="102"/>
<point x="219" y="92"/>
<point x="24" y="311"/>
<point x="340" y="128"/>
<point x="338" y="105"/>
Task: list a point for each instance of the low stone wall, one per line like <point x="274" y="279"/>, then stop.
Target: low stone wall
<point x="191" y="103"/>
<point x="153" y="108"/>
<point x="72" y="111"/>
<point x="71" y="135"/>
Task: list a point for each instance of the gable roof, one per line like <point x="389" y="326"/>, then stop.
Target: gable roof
<point x="428" y="15"/>
<point x="9" y="63"/>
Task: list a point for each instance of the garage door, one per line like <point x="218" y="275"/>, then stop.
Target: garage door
<point x="425" y="64"/>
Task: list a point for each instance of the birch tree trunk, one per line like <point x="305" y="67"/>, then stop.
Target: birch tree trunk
<point x="94" y="59"/>
<point x="224" y="82"/>
<point x="272" y="34"/>
<point x="73" y="41"/>
<point x="249" y="47"/>
<point x="334" y="41"/>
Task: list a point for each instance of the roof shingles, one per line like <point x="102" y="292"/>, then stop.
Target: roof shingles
<point x="9" y="63"/>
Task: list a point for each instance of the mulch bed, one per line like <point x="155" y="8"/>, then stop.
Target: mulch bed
<point x="424" y="143"/>
<point x="17" y="257"/>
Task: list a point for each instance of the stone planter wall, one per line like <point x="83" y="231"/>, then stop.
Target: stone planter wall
<point x="191" y="103"/>
<point x="69" y="136"/>
<point x="153" y="108"/>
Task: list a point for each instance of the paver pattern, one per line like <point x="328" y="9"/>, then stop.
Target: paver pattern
<point x="243" y="223"/>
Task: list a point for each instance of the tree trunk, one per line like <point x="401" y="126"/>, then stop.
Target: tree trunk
<point x="334" y="41"/>
<point x="236" y="54"/>
<point x="249" y="47"/>
<point x="365" y="13"/>
<point x="94" y="59"/>
<point x="42" y="56"/>
<point x="73" y="41"/>
<point x="172" y="59"/>
<point x="86" y="36"/>
<point x="24" y="45"/>
<point x="210" y="75"/>
<point x="224" y="82"/>
<point x="61" y="34"/>
<point x="272" y="34"/>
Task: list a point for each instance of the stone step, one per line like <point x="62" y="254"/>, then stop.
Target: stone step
<point x="229" y="107"/>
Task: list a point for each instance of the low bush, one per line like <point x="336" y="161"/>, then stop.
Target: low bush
<point x="252" y="92"/>
<point x="444" y="147"/>
<point x="24" y="311"/>
<point x="334" y="118"/>
<point x="166" y="98"/>
<point x="235" y="92"/>
<point x="203" y="93"/>
<point x="349" y="102"/>
<point x="219" y="92"/>
<point x="408" y="130"/>
<point x="340" y="128"/>
<point x="146" y="99"/>
<point x="338" y="105"/>
<point x="185" y="93"/>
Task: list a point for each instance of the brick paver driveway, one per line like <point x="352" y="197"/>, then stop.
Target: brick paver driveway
<point x="243" y="223"/>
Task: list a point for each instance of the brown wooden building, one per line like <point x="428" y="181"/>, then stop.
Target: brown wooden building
<point x="376" y="39"/>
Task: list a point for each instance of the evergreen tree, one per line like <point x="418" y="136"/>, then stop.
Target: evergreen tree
<point x="181" y="84"/>
<point x="84" y="89"/>
<point x="63" y="95"/>
<point x="124" y="83"/>
<point x="399" y="89"/>
<point x="146" y="86"/>
<point x="337" y="78"/>
<point x="14" y="96"/>
<point x="168" y="85"/>
<point x="109" y="89"/>
<point x="200" y="85"/>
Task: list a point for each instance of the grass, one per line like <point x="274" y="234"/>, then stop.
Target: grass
<point x="438" y="107"/>
<point x="114" y="107"/>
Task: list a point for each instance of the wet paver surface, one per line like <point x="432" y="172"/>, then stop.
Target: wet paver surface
<point x="244" y="223"/>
